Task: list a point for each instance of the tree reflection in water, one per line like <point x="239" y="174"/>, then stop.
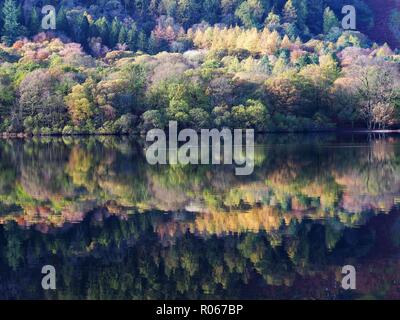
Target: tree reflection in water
<point x="115" y="227"/>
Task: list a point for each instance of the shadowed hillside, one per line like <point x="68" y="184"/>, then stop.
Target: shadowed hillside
<point x="387" y="21"/>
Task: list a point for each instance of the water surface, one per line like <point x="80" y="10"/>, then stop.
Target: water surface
<point x="115" y="227"/>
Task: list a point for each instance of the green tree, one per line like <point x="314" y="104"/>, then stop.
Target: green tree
<point x="211" y="10"/>
<point x="170" y="7"/>
<point x="81" y="28"/>
<point x="122" y="37"/>
<point x="34" y="22"/>
<point x="250" y="13"/>
<point x="330" y="20"/>
<point x="290" y="12"/>
<point x="315" y="12"/>
<point x="114" y="32"/>
<point x="101" y="29"/>
<point x="11" y="27"/>
<point x="265" y="65"/>
<point x="7" y="95"/>
<point x="188" y="11"/>
<point x="132" y="37"/>
<point x="142" y="41"/>
<point x="394" y="23"/>
<point x="252" y="115"/>
<point x="295" y="11"/>
<point x="272" y="21"/>
<point x="153" y="45"/>
<point x="302" y="11"/>
<point x="136" y="78"/>
<point x="62" y="21"/>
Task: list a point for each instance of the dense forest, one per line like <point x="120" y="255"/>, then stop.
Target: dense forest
<point x="128" y="66"/>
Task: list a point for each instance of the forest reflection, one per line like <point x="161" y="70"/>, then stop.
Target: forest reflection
<point x="117" y="227"/>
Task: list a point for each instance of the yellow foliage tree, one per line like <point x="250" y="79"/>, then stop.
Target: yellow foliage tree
<point x="79" y="105"/>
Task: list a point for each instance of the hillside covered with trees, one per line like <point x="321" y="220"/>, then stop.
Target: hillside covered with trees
<point x="128" y="66"/>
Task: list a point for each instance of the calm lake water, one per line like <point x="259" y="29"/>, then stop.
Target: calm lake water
<point x="115" y="227"/>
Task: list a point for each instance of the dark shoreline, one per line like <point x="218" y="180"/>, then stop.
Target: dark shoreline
<point x="21" y="135"/>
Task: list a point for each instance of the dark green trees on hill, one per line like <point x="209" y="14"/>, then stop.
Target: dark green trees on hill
<point x="11" y="26"/>
<point x="300" y="17"/>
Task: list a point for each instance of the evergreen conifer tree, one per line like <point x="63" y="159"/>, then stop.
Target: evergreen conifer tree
<point x="12" y="29"/>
